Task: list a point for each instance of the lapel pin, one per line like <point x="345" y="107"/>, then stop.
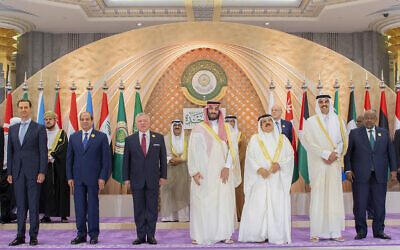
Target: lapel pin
<point x="283" y="126"/>
<point x="60" y="139"/>
<point x="92" y="135"/>
<point x="154" y="136"/>
<point x="379" y="134"/>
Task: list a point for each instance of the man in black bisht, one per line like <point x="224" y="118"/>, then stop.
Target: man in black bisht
<point x="54" y="197"/>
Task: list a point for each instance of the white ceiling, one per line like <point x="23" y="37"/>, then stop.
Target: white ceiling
<point x="114" y="16"/>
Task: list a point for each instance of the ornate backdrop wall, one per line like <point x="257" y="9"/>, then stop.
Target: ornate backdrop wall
<point x="157" y="56"/>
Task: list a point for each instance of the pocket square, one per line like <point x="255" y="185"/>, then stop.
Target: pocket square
<point x="156" y="145"/>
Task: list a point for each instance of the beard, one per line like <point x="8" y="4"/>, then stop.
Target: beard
<point x="212" y="116"/>
<point x="51" y="126"/>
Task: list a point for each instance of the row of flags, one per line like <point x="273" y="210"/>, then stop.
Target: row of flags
<point x="103" y="126"/>
<point x="301" y="164"/>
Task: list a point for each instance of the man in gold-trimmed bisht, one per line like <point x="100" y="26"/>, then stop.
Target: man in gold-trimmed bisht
<point x="54" y="197"/>
<point x="325" y="139"/>
<point x="242" y="145"/>
<point x="175" y="192"/>
<point x="267" y="180"/>
<point x="213" y="164"/>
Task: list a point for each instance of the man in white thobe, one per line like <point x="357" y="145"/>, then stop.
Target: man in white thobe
<point x="175" y="191"/>
<point x="325" y="141"/>
<point x="267" y="180"/>
<point x="213" y="164"/>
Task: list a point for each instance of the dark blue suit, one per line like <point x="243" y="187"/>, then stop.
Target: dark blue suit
<point x="286" y="128"/>
<point x="24" y="163"/>
<point x="85" y="167"/>
<point x="144" y="174"/>
<point x="359" y="159"/>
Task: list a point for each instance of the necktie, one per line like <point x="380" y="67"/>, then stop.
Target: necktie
<point x="277" y="125"/>
<point x="144" y="144"/>
<point x="22" y="131"/>
<point x="372" y="142"/>
<point x="85" y="141"/>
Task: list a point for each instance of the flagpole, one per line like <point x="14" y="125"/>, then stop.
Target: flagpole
<point x="271" y="95"/>
<point x="25" y="87"/>
<point x="319" y="87"/>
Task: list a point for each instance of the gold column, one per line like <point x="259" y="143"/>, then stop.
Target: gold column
<point x="8" y="47"/>
<point x="393" y="46"/>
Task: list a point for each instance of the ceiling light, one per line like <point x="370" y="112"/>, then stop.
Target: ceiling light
<point x="266" y="23"/>
<point x="139" y="24"/>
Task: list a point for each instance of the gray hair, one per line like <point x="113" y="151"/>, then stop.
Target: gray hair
<point x="142" y="114"/>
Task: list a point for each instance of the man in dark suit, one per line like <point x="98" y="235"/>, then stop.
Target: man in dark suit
<point x="88" y="166"/>
<point x="369" y="154"/>
<point x="145" y="169"/>
<point x="397" y="150"/>
<point x="284" y="127"/>
<point x="26" y="168"/>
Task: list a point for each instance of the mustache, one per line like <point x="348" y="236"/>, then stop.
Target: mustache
<point x="268" y="124"/>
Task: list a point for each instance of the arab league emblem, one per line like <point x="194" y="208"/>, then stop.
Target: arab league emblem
<point x="204" y="80"/>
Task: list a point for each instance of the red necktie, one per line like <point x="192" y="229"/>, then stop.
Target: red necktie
<point x="144" y="144"/>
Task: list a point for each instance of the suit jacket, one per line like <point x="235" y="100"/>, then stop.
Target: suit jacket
<point x="87" y="166"/>
<point x="360" y="155"/>
<point x="397" y="146"/>
<point x="141" y="170"/>
<point x="286" y="128"/>
<point x="1" y="147"/>
<point x="31" y="156"/>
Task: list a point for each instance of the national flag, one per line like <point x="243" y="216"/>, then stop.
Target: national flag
<point x="57" y="109"/>
<point x="301" y="151"/>
<point x="89" y="105"/>
<point x="40" y="109"/>
<point x="351" y="115"/>
<point x="104" y="124"/>
<point x="8" y="114"/>
<point x="73" y="116"/>
<point x="367" y="101"/>
<point x="397" y="112"/>
<point x="138" y="110"/>
<point x="383" y="116"/>
<point x="338" y="113"/>
<point x="25" y="96"/>
<point x="289" y="117"/>
<point x="120" y="135"/>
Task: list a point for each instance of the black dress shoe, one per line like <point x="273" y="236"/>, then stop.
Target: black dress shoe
<point x="152" y="241"/>
<point x="33" y="241"/>
<point x="383" y="236"/>
<point x="138" y="241"/>
<point x="45" y="219"/>
<point x="17" y="241"/>
<point x="78" y="240"/>
<point x="94" y="240"/>
<point x="64" y="220"/>
<point x="359" y="237"/>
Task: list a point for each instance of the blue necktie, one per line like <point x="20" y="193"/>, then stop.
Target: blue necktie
<point x="372" y="142"/>
<point x="85" y="141"/>
<point x="22" y="131"/>
<point x="277" y="125"/>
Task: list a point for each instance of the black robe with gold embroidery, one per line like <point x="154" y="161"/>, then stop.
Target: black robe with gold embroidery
<point x="54" y="197"/>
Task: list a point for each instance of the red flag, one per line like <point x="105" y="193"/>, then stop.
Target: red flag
<point x="8" y="114"/>
<point x="104" y="124"/>
<point x="73" y="116"/>
<point x="367" y="102"/>
<point x="383" y="117"/>
<point x="289" y="117"/>
<point x="57" y="110"/>
<point x="397" y="112"/>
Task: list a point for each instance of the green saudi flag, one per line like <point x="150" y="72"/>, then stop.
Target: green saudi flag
<point x="138" y="110"/>
<point x="120" y="135"/>
<point x="25" y="97"/>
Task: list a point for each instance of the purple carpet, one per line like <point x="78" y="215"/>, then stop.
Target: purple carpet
<point x="180" y="238"/>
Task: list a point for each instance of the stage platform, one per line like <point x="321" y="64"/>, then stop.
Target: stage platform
<point x="119" y="232"/>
